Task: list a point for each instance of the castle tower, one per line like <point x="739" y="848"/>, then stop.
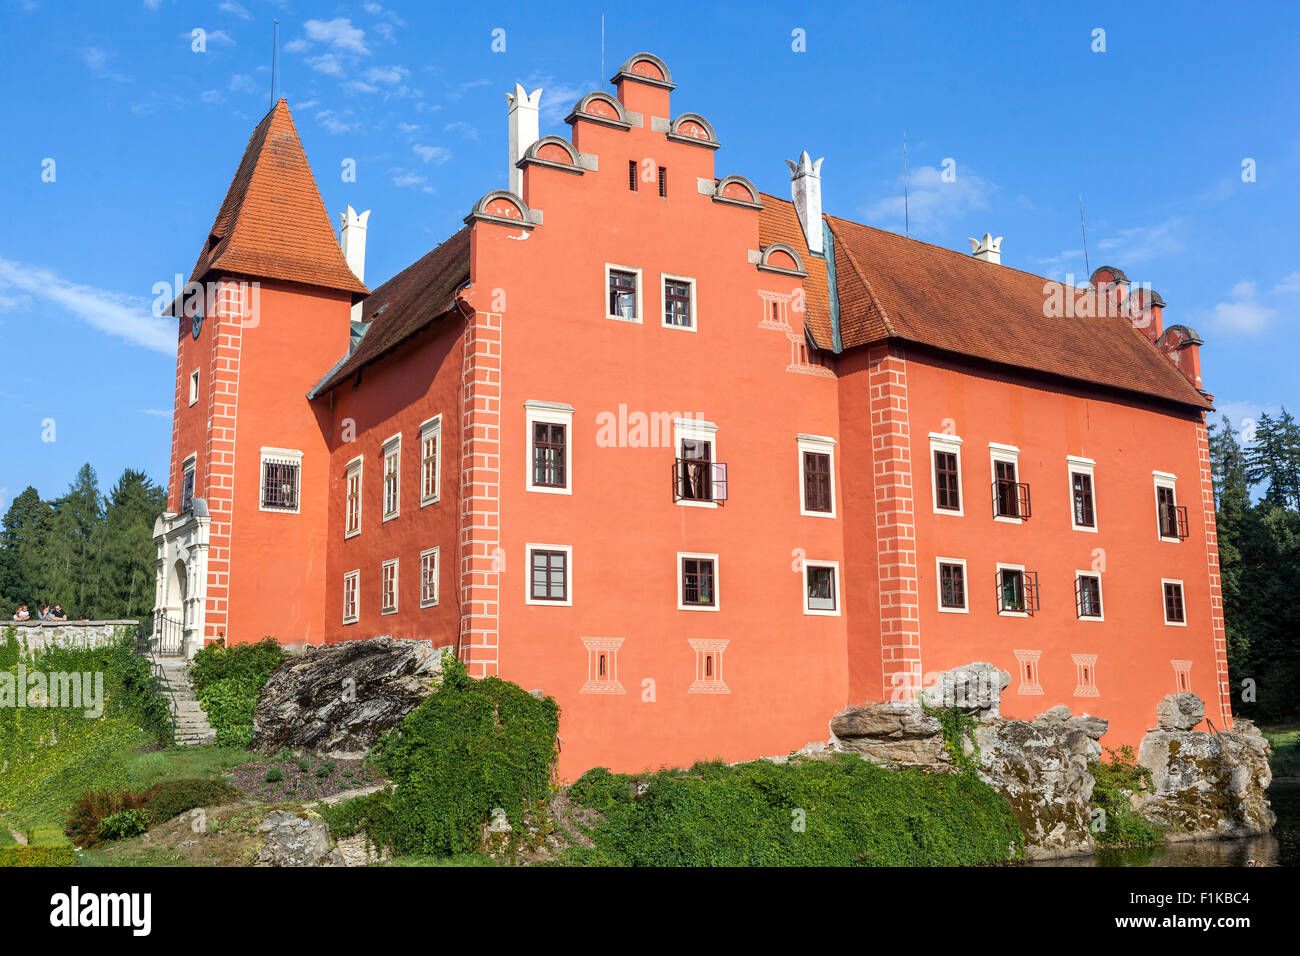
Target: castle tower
<point x="267" y="306"/>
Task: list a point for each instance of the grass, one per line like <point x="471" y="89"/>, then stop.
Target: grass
<point x="460" y="859"/>
<point x="1285" y="739"/>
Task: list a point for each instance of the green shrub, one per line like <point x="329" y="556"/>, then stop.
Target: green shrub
<point x="325" y="769"/>
<point x="601" y="790"/>
<point x="472" y="747"/>
<point x="37" y="856"/>
<point x="841" y="812"/>
<point x="171" y="798"/>
<point x="274" y="775"/>
<point x="1119" y="825"/>
<point x="85" y="826"/>
<point x="227" y="681"/>
<point x="127" y="823"/>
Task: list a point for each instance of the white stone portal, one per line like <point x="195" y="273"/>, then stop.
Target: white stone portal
<point x="181" y="586"/>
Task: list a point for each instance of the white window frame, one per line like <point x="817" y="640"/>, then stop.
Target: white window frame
<point x="549" y="413"/>
<point x="391" y="447"/>
<point x="393" y="563"/>
<point x="355" y="467"/>
<point x="717" y="581"/>
<point x="999" y="452"/>
<point x="287" y="456"/>
<point x="355" y="577"/>
<point x="819" y="445"/>
<point x="695" y="429"/>
<point x="835" y="588"/>
<point x="664" y="279"/>
<point x="189" y="465"/>
<point x="938" y="586"/>
<point x="568" y="574"/>
<point x="951" y="444"/>
<point x="640" y="293"/>
<point x="194" y="386"/>
<point x="431" y="428"/>
<point x="437" y="574"/>
<point x="1011" y="567"/>
<point x="1101" y="597"/>
<point x="1163" y="479"/>
<point x="1164" y="611"/>
<point x="1081" y="466"/>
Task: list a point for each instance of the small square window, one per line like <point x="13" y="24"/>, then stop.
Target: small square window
<point x="623" y="295"/>
<point x="281" y="474"/>
<point x="548" y="574"/>
<point x="1017" y="590"/>
<point x="1087" y="595"/>
<point x="952" y="586"/>
<point x="679" y="295"/>
<point x="1175" y="612"/>
<point x="194" y="386"/>
<point x="822" y="596"/>
<point x="697" y="582"/>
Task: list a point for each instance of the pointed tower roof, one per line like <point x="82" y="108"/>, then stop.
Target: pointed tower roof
<point x="273" y="223"/>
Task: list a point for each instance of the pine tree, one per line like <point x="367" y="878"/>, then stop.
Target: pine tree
<point x="124" y="548"/>
<point x="71" y="573"/>
<point x="1270" y="461"/>
<point x="22" y="543"/>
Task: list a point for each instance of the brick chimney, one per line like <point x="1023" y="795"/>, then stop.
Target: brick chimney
<point x="524" y="131"/>
<point x="806" y="193"/>
<point x="352" y="239"/>
<point x="987" y="249"/>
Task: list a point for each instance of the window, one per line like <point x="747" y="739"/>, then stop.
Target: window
<point x="679" y="302"/>
<point x="945" y="458"/>
<point x="631" y="174"/>
<point x="388" y="587"/>
<point x="550" y="453"/>
<point x="194" y="386"/>
<point x="952" y="584"/>
<point x="1087" y="596"/>
<point x="1010" y="495"/>
<point x="1175" y="612"/>
<point x="1028" y="661"/>
<point x="697" y="582"/>
<point x="392" y="477"/>
<point x="351" y="597"/>
<point x="352" y="511"/>
<point x="430" y="460"/>
<point x="1017" y="590"/>
<point x="1171" y="517"/>
<point x="624" y="286"/>
<point x="819" y="580"/>
<point x="549" y="574"/>
<point x="816" y="475"/>
<point x="429" y="578"/>
<point x="1083" y="510"/>
<point x="281" y="469"/>
<point x="663" y="181"/>
<point x="187" y="483"/>
<point x="699" y="479"/>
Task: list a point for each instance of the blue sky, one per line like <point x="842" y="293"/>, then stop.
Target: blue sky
<point x="145" y="133"/>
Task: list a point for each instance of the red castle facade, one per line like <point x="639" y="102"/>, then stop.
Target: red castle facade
<point x="704" y="464"/>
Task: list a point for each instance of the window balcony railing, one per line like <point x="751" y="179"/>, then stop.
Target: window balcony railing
<point x="697" y="479"/>
<point x="1011" y="499"/>
<point x="1173" y="521"/>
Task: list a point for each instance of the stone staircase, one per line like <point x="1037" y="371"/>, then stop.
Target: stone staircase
<point x="192" y="727"/>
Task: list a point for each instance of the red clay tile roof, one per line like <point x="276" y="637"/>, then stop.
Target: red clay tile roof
<point x="894" y="287"/>
<point x="778" y="222"/>
<point x="405" y="304"/>
<point x="273" y="223"/>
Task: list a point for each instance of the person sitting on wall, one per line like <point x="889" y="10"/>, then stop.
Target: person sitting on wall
<point x="58" y="614"/>
<point x="22" y="614"/>
<point x="46" y="614"/>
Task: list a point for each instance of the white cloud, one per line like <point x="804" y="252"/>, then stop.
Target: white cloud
<point x="113" y="313"/>
<point x="212" y="96"/>
<point x="1243" y="314"/>
<point x="296" y="46"/>
<point x="1288" y="286"/>
<point x="333" y="123"/>
<point x="357" y="86"/>
<point x="465" y="129"/>
<point x="409" y="179"/>
<point x="242" y="83"/>
<point x="1139" y="243"/>
<point x="931" y="203"/>
<point x="94" y="57"/>
<point x="387" y="74"/>
<point x="339" y="34"/>
<point x="1242" y="414"/>
<point x="155" y="412"/>
<point x="219" y="36"/>
<point x="233" y="7"/>
<point x="558" y="100"/>
<point x="408" y="127"/>
<point x="306" y="104"/>
<point x="434" y="154"/>
<point x="9" y="303"/>
<point x="326" y="63"/>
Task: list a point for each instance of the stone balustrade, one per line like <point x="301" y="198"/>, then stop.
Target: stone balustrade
<point x="39" y="635"/>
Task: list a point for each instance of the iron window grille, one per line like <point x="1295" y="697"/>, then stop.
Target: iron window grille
<point x="1087" y="596"/>
<point x="187" y="490"/>
<point x="947" y="490"/>
<point x="663" y="181"/>
<point x="622" y="294"/>
<point x="549" y="575"/>
<point x="549" y="455"/>
<point x="1017" y="591"/>
<point x="952" y="586"/>
<point x="677" y="303"/>
<point x="821" y="588"/>
<point x="631" y="174"/>
<point x="696" y="477"/>
<point x="1010" y="497"/>
<point x="1084" y="515"/>
<point x="1174" y="612"/>
<point x="697" y="582"/>
<point x="280" y="485"/>
<point x="816" y="481"/>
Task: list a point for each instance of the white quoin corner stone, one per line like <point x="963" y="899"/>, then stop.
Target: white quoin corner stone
<point x="988" y="248"/>
<point x="521" y="111"/>
<point x="806" y="193"/>
<point x="352" y="239"/>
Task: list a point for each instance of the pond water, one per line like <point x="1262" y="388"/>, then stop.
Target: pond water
<point x="1279" y="848"/>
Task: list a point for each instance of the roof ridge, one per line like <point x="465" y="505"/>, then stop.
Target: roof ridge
<point x="875" y="301"/>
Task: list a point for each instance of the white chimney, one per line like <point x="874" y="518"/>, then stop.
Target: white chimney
<point x="988" y="248"/>
<point x="352" y="237"/>
<point x="524" y="131"/>
<point x="806" y="191"/>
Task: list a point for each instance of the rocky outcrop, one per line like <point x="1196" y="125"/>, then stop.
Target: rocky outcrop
<point x="973" y="689"/>
<point x="1204" y="784"/>
<point x="895" y="732"/>
<point x="338" y="699"/>
<point x="293" y="840"/>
